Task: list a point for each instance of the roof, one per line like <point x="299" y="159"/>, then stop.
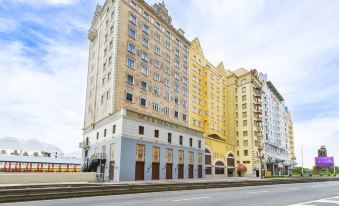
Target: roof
<point x="13" y="158"/>
<point x="274" y="90"/>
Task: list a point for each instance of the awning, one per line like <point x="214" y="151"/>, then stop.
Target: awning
<point x="241" y="168"/>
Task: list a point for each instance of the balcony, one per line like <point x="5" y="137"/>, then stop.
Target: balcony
<point x="258" y="111"/>
<point x="259" y="128"/>
<point x="257" y="103"/>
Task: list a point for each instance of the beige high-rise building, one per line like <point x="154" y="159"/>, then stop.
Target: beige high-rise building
<point x="245" y="91"/>
<point x="137" y="99"/>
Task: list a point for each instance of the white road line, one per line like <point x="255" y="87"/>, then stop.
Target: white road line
<point x="326" y="200"/>
<point x="258" y="192"/>
<point x="195" y="198"/>
<point x="292" y="188"/>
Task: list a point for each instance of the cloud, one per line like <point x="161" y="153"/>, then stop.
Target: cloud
<point x="41" y="2"/>
<point x="7" y="25"/>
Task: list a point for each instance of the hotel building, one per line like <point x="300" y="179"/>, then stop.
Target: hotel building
<point x="136" y="123"/>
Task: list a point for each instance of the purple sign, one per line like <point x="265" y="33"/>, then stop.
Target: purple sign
<point x="324" y="161"/>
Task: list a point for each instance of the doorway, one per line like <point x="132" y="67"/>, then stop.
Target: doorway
<point x="180" y="171"/>
<point x="155" y="171"/>
<point x="111" y="170"/>
<point x="169" y="169"/>
<point x="139" y="170"/>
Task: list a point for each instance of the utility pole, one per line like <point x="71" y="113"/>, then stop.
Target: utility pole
<point x="334" y="165"/>
<point x="302" y="162"/>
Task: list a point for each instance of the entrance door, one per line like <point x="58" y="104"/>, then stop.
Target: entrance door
<point x="155" y="171"/>
<point x="230" y="172"/>
<point x="169" y="169"/>
<point x="139" y="170"/>
<point x="180" y="171"/>
<point x="257" y="173"/>
<point x="200" y="171"/>
<point x="111" y="170"/>
<point x="190" y="171"/>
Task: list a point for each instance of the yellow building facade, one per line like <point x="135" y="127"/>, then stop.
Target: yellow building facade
<point x="208" y="112"/>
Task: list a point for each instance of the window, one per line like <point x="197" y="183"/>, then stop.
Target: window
<point x="132" y="33"/>
<point x="165" y="110"/>
<point x="114" y="129"/>
<point x="244" y="114"/>
<point x="144" y="56"/>
<point x="167" y="95"/>
<point x="245" y="133"/>
<point x="157" y="50"/>
<point x="145" y="42"/>
<point x="157" y="24"/>
<point x="184" y="103"/>
<point x="143" y="102"/>
<point x="156" y="133"/>
<point x="133" y="5"/>
<point x="130" y="63"/>
<point x="244" y="123"/>
<point x="144" y="70"/>
<point x="168" y="45"/>
<point x="243" y="81"/>
<point x="180" y="139"/>
<point x="156" y="77"/>
<point x="176" y="100"/>
<point x="168" y="57"/>
<point x="156" y="90"/>
<point x="132" y="19"/>
<point x="130" y="79"/>
<point x="243" y="90"/>
<point x="129" y="97"/>
<point x="97" y="135"/>
<point x="199" y="144"/>
<point x="244" y="106"/>
<point x="131" y="48"/>
<point x="177" y="53"/>
<point x="169" y="137"/>
<point x="176" y="64"/>
<point x="157" y="37"/>
<point x="143" y="85"/>
<point x="146" y="15"/>
<point x="245" y="152"/>
<point x="184" y="80"/>
<point x="176" y="114"/>
<point x="156" y="63"/>
<point x="176" y="76"/>
<point x="156" y="107"/>
<point x="185" y="59"/>
<point x="145" y="28"/>
<point x="167" y="83"/>
<point x="184" y="117"/>
<point x="245" y="143"/>
<point x="105" y="132"/>
<point x="243" y="98"/>
<point x="141" y="130"/>
<point x="168" y="70"/>
<point x="191" y="142"/>
<point x="176" y="88"/>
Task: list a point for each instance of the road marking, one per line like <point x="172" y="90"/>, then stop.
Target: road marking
<point x="258" y="192"/>
<point x="196" y="198"/>
<point x="326" y="200"/>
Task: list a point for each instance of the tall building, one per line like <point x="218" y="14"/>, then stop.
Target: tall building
<point x="246" y="89"/>
<point x="136" y="123"/>
<point x="208" y="91"/>
<point x="291" y="149"/>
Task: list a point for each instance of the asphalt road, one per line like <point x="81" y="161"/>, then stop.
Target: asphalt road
<point x="324" y="194"/>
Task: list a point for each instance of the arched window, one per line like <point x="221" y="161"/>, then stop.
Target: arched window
<point x="230" y="160"/>
<point x="219" y="168"/>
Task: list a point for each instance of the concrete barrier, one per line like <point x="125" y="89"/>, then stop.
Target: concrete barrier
<point x="28" y="178"/>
